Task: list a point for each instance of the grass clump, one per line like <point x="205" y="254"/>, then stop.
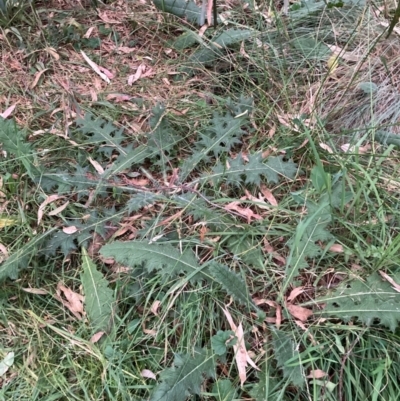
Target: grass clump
<point x="190" y="213"/>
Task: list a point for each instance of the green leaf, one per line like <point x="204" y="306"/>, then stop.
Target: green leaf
<point x="237" y="170"/>
<point x="232" y="36"/>
<point x="223" y="390"/>
<point x="287" y="356"/>
<point x="311" y="48"/>
<point x="99" y="299"/>
<point x="22" y="256"/>
<point x="303" y="244"/>
<point x="180" y="8"/>
<point x="371" y="301"/>
<point x="185" y="377"/>
<point x="320" y="179"/>
<point x="232" y="283"/>
<point x="222" y="340"/>
<point x="140" y="200"/>
<point x="164" y="257"/>
<point x="101" y="132"/>
<point x="229" y="37"/>
<point x="185" y="40"/>
<point x="13" y="141"/>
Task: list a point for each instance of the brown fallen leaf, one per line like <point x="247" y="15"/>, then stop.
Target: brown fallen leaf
<point x="139" y="71"/>
<point x="243" y="211"/>
<point x="326" y="147"/>
<point x="337" y="248"/>
<point x="316" y="374"/>
<point x="119" y="97"/>
<point x="71" y="300"/>
<point x="96" y="337"/>
<point x="242" y="357"/>
<point x="7" y="112"/>
<point x="70" y="230"/>
<point x="148" y="374"/>
<point x="299" y="312"/>
<point x="155" y="306"/>
<point x="58" y="209"/>
<point x="395" y="285"/>
<point x="42" y="206"/>
<point x="37" y="77"/>
<point x="294" y="294"/>
<point x="37" y="291"/>
<point x="276" y="306"/>
<point x="268" y="195"/>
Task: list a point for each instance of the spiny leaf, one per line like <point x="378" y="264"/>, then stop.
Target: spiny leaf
<point x="232" y="283"/>
<point x="99" y="299"/>
<point x="237" y="170"/>
<point x="163" y="257"/>
<point x="140" y="200"/>
<point x="22" y="256"/>
<point x="101" y="132"/>
<point x="180" y="8"/>
<point x="288" y="357"/>
<point x="373" y="300"/>
<point x="12" y="140"/>
<point x="185" y="377"/>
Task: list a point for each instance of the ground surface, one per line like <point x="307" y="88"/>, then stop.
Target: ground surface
<point x="198" y="212"/>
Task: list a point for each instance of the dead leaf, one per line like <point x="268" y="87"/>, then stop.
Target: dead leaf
<point x="299" y="312"/>
<point x="155" y="306"/>
<point x="58" y="209"/>
<point x="260" y="200"/>
<point x="119" y="97"/>
<point x="125" y="49"/>
<point x="37" y="291"/>
<point x="95" y="67"/>
<point x="209" y="11"/>
<point x="70" y="229"/>
<point x="316" y="374"/>
<point x="139" y="71"/>
<point x="96" y="165"/>
<point x="295" y="293"/>
<point x="96" y="337"/>
<point x="354" y="149"/>
<point x="336" y="248"/>
<point x="273" y="304"/>
<point x="242" y="358"/>
<point x="53" y="53"/>
<point x="106" y="72"/>
<point x="88" y="33"/>
<point x="42" y="206"/>
<point x="270" y="249"/>
<point x="395" y="286"/>
<point x="243" y="211"/>
<point x="104" y="17"/>
<point x="7" y="112"/>
<point x="37" y="77"/>
<point x="304" y="143"/>
<point x="268" y="195"/>
<point x="148" y="374"/>
<point x="203" y="232"/>
<point x="71" y="300"/>
<point x="326" y="147"/>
